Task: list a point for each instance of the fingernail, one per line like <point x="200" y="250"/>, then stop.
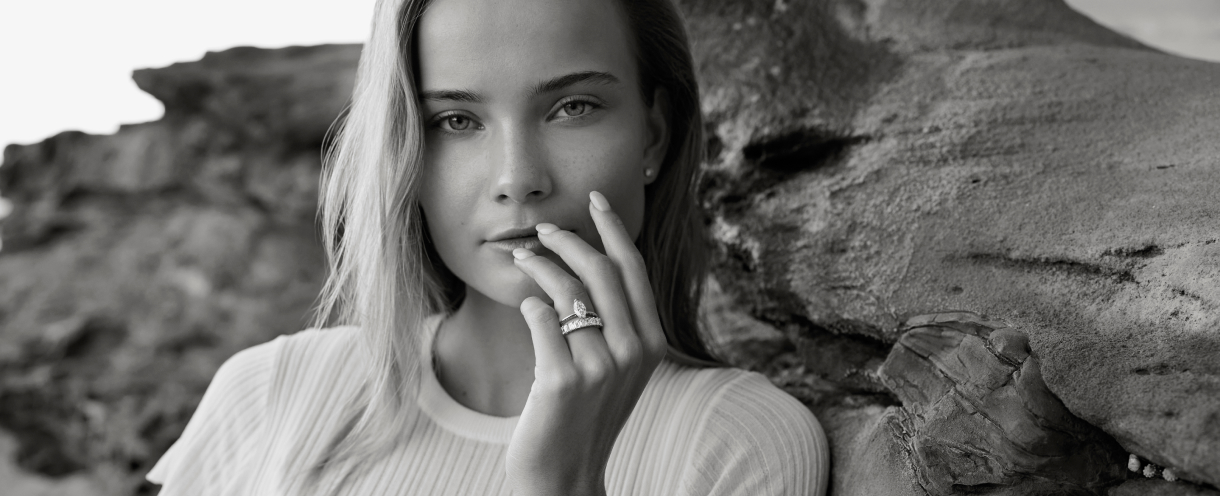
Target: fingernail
<point x="522" y="253"/>
<point x="546" y="228"/>
<point x="599" y="201"/>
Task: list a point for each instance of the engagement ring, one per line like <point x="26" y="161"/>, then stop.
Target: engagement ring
<point x="580" y="319"/>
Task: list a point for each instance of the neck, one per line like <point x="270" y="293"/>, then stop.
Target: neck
<point x="485" y="356"/>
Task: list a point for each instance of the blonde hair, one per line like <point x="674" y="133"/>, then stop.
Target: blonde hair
<point x="384" y="276"/>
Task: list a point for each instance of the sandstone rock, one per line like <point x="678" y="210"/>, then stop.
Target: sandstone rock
<point x="134" y="264"/>
<point x="1154" y="487"/>
<point x="877" y="159"/>
<point x="977" y="416"/>
<point x="19" y="482"/>
<point x="868" y="452"/>
<point x="291" y="94"/>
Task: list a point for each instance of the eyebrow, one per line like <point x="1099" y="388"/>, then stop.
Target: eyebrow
<point x="561" y="82"/>
<point x="548" y="86"/>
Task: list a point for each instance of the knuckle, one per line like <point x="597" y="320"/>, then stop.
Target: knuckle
<point x="631" y="352"/>
<point x="561" y="381"/>
<point x="598" y="370"/>
<point x="572" y="287"/>
<point x="540" y="314"/>
<point x="634" y="260"/>
<point x="567" y="236"/>
<point x="604" y="266"/>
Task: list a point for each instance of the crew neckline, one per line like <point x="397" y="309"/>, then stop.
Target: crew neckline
<point x="450" y="415"/>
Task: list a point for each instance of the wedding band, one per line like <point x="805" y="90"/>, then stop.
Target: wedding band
<point x="580" y="323"/>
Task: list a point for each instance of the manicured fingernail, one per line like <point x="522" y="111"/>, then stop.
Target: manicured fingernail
<point x="522" y="253"/>
<point x="546" y="228"/>
<point x="599" y="201"/>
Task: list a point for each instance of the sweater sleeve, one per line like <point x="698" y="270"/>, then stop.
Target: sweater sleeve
<point x="217" y="442"/>
<point x="758" y="440"/>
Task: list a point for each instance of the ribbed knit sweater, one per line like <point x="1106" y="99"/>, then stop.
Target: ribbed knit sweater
<point x="714" y="431"/>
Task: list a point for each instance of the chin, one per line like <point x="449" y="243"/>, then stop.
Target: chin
<point x="511" y="289"/>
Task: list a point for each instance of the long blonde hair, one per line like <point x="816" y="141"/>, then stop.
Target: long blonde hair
<point x="384" y="276"/>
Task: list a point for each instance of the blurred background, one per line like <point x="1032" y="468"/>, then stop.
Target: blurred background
<point x="69" y="63"/>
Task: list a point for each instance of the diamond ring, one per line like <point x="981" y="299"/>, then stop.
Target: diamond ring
<point x="578" y="311"/>
<point x="580" y="323"/>
<point x="580" y="319"/>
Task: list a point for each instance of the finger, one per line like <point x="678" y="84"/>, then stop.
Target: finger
<point x="588" y="346"/>
<point x="601" y="276"/>
<point x="621" y="249"/>
<point x="550" y="349"/>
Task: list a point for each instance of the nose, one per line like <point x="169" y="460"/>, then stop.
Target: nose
<point x="523" y="174"/>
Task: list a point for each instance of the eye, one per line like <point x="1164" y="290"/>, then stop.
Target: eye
<point x="457" y="122"/>
<point x="576" y="108"/>
<point x="454" y="122"/>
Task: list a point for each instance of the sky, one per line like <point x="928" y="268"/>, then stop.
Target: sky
<point x="67" y="64"/>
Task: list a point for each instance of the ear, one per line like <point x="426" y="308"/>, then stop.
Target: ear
<point x="657" y="127"/>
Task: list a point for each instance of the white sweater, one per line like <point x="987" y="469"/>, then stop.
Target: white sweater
<point x="717" y="431"/>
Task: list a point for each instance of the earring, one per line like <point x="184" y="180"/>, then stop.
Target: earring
<point x="648" y="172"/>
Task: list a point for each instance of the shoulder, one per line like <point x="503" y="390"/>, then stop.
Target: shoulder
<point x="730" y="394"/>
<point x="312" y="358"/>
<point x="266" y="372"/>
<point x="233" y="412"/>
<point x="750" y="436"/>
<point x="257" y="365"/>
<point x="309" y="344"/>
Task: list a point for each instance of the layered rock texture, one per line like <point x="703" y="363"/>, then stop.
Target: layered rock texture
<point x="134" y="264"/>
<point x="881" y="159"/>
<point x="872" y="165"/>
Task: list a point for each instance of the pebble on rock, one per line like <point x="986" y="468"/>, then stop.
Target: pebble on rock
<point x="1133" y="463"/>
<point x="1149" y="470"/>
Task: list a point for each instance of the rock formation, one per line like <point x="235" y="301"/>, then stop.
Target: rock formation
<point x="977" y="413"/>
<point x="879" y="159"/>
<point x="134" y="264"/>
<point x="869" y="161"/>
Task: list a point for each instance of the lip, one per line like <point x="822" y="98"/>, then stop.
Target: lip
<point x="516" y="237"/>
<point x="509" y="244"/>
<point x="513" y="233"/>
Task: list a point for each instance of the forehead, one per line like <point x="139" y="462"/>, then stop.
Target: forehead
<point x="490" y="45"/>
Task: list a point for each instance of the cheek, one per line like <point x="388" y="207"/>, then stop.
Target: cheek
<point x="445" y="197"/>
<point x="608" y="161"/>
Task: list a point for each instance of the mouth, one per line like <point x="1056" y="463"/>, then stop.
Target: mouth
<point x="512" y="239"/>
<point x="529" y="242"/>
<point x="514" y="233"/>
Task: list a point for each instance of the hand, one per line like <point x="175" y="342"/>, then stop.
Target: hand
<point x="586" y="383"/>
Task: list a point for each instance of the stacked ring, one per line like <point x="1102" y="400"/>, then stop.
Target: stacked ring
<point x="580" y="323"/>
<point x="579" y="319"/>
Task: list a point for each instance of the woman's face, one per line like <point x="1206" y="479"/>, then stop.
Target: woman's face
<point x="528" y="106"/>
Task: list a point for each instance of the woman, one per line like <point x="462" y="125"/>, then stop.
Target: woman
<point x="510" y="224"/>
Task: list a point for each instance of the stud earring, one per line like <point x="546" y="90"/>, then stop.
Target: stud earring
<point x="648" y="172"/>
